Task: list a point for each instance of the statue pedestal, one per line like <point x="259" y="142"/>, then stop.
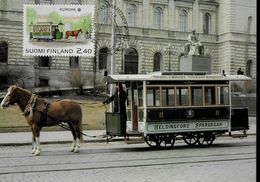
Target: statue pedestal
<point x="195" y="63"/>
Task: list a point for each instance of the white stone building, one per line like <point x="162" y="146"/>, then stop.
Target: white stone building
<point x="150" y="36"/>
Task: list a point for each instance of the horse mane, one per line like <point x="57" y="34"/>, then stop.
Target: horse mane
<point x="13" y="87"/>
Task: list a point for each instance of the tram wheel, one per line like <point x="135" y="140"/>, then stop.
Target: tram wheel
<point x="153" y="142"/>
<point x="205" y="139"/>
<point x="167" y="141"/>
<point x="191" y="138"/>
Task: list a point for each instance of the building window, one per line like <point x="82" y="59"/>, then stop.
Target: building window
<point x="183" y="20"/>
<point x="75" y="2"/>
<point x="158" y="15"/>
<point x="43" y="82"/>
<point x="43" y="2"/>
<point x="206" y="23"/>
<point x="103" y="53"/>
<point x="131" y="15"/>
<point x="104" y="12"/>
<point x="249" y="26"/>
<point x="249" y="68"/>
<point x="74" y="62"/>
<point x="157" y="61"/>
<point x="131" y="61"/>
<point x="3" y="80"/>
<point x="3" y="52"/>
<point x="44" y="61"/>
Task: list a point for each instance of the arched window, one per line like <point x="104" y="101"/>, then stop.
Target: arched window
<point x="250" y="19"/>
<point x="104" y="12"/>
<point x="206" y="23"/>
<point x="249" y="68"/>
<point x="3" y="52"/>
<point x="131" y="15"/>
<point x="158" y="15"/>
<point x="183" y="20"/>
<point x="157" y="61"/>
<point x="131" y="61"/>
<point x="103" y="53"/>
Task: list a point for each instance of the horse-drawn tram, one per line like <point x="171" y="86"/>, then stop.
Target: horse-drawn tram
<point x="166" y="106"/>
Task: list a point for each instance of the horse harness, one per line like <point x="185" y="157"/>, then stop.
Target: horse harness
<point x="30" y="106"/>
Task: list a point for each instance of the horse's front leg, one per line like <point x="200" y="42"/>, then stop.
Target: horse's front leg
<point x="33" y="142"/>
<point x="36" y="134"/>
<point x="38" y="148"/>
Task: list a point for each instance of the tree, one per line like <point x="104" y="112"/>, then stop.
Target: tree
<point x="77" y="79"/>
<point x="20" y="77"/>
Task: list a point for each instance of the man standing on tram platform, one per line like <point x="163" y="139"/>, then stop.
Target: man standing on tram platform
<point x="119" y="98"/>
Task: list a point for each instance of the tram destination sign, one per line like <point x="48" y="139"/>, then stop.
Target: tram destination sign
<point x="187" y="126"/>
<point x="58" y="30"/>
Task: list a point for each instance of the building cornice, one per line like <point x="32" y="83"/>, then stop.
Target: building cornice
<point x="208" y="2"/>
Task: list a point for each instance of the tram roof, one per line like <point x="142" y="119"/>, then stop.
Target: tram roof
<point x="177" y="76"/>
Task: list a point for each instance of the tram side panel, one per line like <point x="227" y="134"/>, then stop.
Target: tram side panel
<point x="186" y="120"/>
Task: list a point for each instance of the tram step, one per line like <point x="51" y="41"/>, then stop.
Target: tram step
<point x="134" y="139"/>
<point x="238" y="135"/>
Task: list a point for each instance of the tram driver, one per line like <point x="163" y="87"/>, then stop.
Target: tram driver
<point x="119" y="98"/>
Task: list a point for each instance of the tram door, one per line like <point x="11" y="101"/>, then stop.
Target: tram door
<point x="135" y="104"/>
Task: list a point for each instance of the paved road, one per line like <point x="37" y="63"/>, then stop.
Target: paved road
<point x="228" y="159"/>
<point x="65" y="136"/>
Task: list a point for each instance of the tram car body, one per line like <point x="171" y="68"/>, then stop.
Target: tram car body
<point x="45" y="31"/>
<point x="163" y="107"/>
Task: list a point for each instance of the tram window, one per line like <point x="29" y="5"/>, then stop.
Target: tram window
<point x="196" y="96"/>
<point x="128" y="103"/>
<point x="223" y="95"/>
<point x="141" y="115"/>
<point x="140" y="96"/>
<point x="167" y="97"/>
<point x="210" y="95"/>
<point x="182" y="96"/>
<point x="153" y="97"/>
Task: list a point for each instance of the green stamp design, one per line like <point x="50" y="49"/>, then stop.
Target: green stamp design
<point x="58" y="30"/>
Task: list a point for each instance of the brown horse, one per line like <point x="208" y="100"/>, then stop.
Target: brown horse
<point x="40" y="112"/>
<point x="73" y="33"/>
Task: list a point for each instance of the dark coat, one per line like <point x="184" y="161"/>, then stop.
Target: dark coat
<point x="119" y="99"/>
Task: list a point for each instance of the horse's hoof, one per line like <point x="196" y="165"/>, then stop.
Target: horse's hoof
<point x="76" y="151"/>
<point x="37" y="152"/>
<point x="72" y="149"/>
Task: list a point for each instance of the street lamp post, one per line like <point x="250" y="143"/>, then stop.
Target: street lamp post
<point x="112" y="65"/>
<point x="124" y="46"/>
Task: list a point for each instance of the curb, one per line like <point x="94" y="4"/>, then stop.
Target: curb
<point x="92" y="141"/>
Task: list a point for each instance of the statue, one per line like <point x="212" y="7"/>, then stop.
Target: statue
<point x="194" y="46"/>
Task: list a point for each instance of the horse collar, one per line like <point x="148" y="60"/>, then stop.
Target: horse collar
<point x="30" y="106"/>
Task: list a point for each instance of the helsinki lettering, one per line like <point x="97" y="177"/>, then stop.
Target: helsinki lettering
<point x="170" y="126"/>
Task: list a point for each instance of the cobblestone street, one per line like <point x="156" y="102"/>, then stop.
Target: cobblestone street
<point x="228" y="159"/>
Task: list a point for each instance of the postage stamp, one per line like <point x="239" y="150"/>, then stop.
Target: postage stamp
<point x="58" y="30"/>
